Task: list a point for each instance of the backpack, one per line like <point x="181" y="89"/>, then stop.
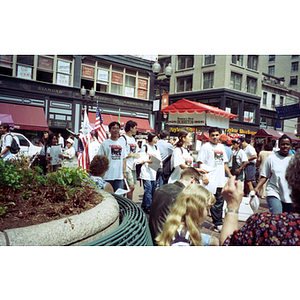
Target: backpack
<point x="167" y="168"/>
<point x="14" y="148"/>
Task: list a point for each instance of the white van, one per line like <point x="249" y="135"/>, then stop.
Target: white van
<point x="26" y="146"/>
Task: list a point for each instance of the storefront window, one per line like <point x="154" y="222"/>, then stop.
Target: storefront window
<point x="249" y="112"/>
<point x="233" y="106"/>
<point x="6" y="66"/>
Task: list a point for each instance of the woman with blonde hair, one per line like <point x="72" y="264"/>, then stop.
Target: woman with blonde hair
<point x="182" y="227"/>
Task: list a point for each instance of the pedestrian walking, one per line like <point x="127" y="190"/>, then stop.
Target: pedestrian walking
<point x="129" y="143"/>
<point x="116" y="155"/>
<point x="6" y="142"/>
<point x="239" y="161"/>
<point x="277" y="190"/>
<point x="148" y="174"/>
<point x="262" y="156"/>
<point x="250" y="169"/>
<point x="213" y="155"/>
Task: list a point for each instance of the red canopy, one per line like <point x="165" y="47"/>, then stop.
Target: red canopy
<point x="25" y="116"/>
<point x="189" y="106"/>
<point x="274" y="134"/>
<point x="205" y="137"/>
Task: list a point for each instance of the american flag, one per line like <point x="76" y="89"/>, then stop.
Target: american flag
<point x="83" y="143"/>
<point x="99" y="127"/>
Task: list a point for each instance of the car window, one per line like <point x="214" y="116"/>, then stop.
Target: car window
<point x="23" y="141"/>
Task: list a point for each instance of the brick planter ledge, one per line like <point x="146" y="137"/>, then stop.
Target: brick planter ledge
<point x="74" y="230"/>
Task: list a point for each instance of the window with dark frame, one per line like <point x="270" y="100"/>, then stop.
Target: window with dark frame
<point x="236" y="81"/>
<point x="271" y="57"/>
<point x="281" y="100"/>
<point x="185" y="84"/>
<point x="209" y="59"/>
<point x="185" y="61"/>
<point x="251" y="85"/>
<point x="252" y="62"/>
<point x="237" y="59"/>
<point x="271" y="70"/>
<point x="295" y="66"/>
<point x="293" y="80"/>
<point x="208" y="80"/>
<point x="273" y="100"/>
<point x="264" y="98"/>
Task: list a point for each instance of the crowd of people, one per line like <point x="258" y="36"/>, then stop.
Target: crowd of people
<point x="178" y="201"/>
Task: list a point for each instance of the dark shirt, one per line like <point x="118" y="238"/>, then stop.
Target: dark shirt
<point x="268" y="229"/>
<point x="163" y="200"/>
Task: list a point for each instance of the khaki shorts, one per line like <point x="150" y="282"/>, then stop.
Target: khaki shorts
<point x="131" y="176"/>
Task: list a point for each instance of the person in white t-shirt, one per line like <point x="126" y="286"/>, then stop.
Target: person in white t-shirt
<point x="116" y="155"/>
<point x="274" y="169"/>
<point x="181" y="158"/>
<point x="6" y="141"/>
<point x="148" y="174"/>
<point x="212" y="157"/>
<point x="129" y="143"/>
<point x="250" y="168"/>
<point x="239" y="161"/>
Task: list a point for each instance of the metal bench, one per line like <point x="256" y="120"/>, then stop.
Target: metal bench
<point x="133" y="229"/>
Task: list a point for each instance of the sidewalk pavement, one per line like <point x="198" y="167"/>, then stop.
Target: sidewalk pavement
<point x="207" y="226"/>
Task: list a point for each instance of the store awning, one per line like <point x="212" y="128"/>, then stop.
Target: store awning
<point x="274" y="134"/>
<point x="142" y="124"/>
<point x="25" y="117"/>
<point x="6" y="118"/>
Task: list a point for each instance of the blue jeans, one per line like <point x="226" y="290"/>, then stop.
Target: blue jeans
<point x="159" y="180"/>
<point x="118" y="183"/>
<point x="276" y="206"/>
<point x="149" y="189"/>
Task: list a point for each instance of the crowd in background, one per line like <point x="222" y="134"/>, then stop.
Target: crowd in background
<point x="180" y="189"/>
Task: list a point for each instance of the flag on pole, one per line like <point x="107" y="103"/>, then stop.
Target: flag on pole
<point x="99" y="127"/>
<point x="83" y="143"/>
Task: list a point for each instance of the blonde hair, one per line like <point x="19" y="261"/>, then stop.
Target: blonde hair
<point x="188" y="210"/>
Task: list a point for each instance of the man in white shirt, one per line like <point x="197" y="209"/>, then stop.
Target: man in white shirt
<point x="129" y="143"/>
<point x="116" y="155"/>
<point x="6" y="141"/>
<point x="250" y="167"/>
<point x="214" y="156"/>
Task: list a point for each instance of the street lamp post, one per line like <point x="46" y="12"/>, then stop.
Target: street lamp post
<point x="163" y="85"/>
<point x="88" y="101"/>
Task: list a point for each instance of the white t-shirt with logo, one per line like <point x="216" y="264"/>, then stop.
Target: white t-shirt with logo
<point x="213" y="156"/>
<point x="179" y="156"/>
<point x="131" y="147"/>
<point x="115" y="153"/>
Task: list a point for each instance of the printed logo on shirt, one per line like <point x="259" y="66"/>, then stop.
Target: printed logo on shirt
<point x="188" y="161"/>
<point x="218" y="156"/>
<point x="132" y="148"/>
<point x="116" y="152"/>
